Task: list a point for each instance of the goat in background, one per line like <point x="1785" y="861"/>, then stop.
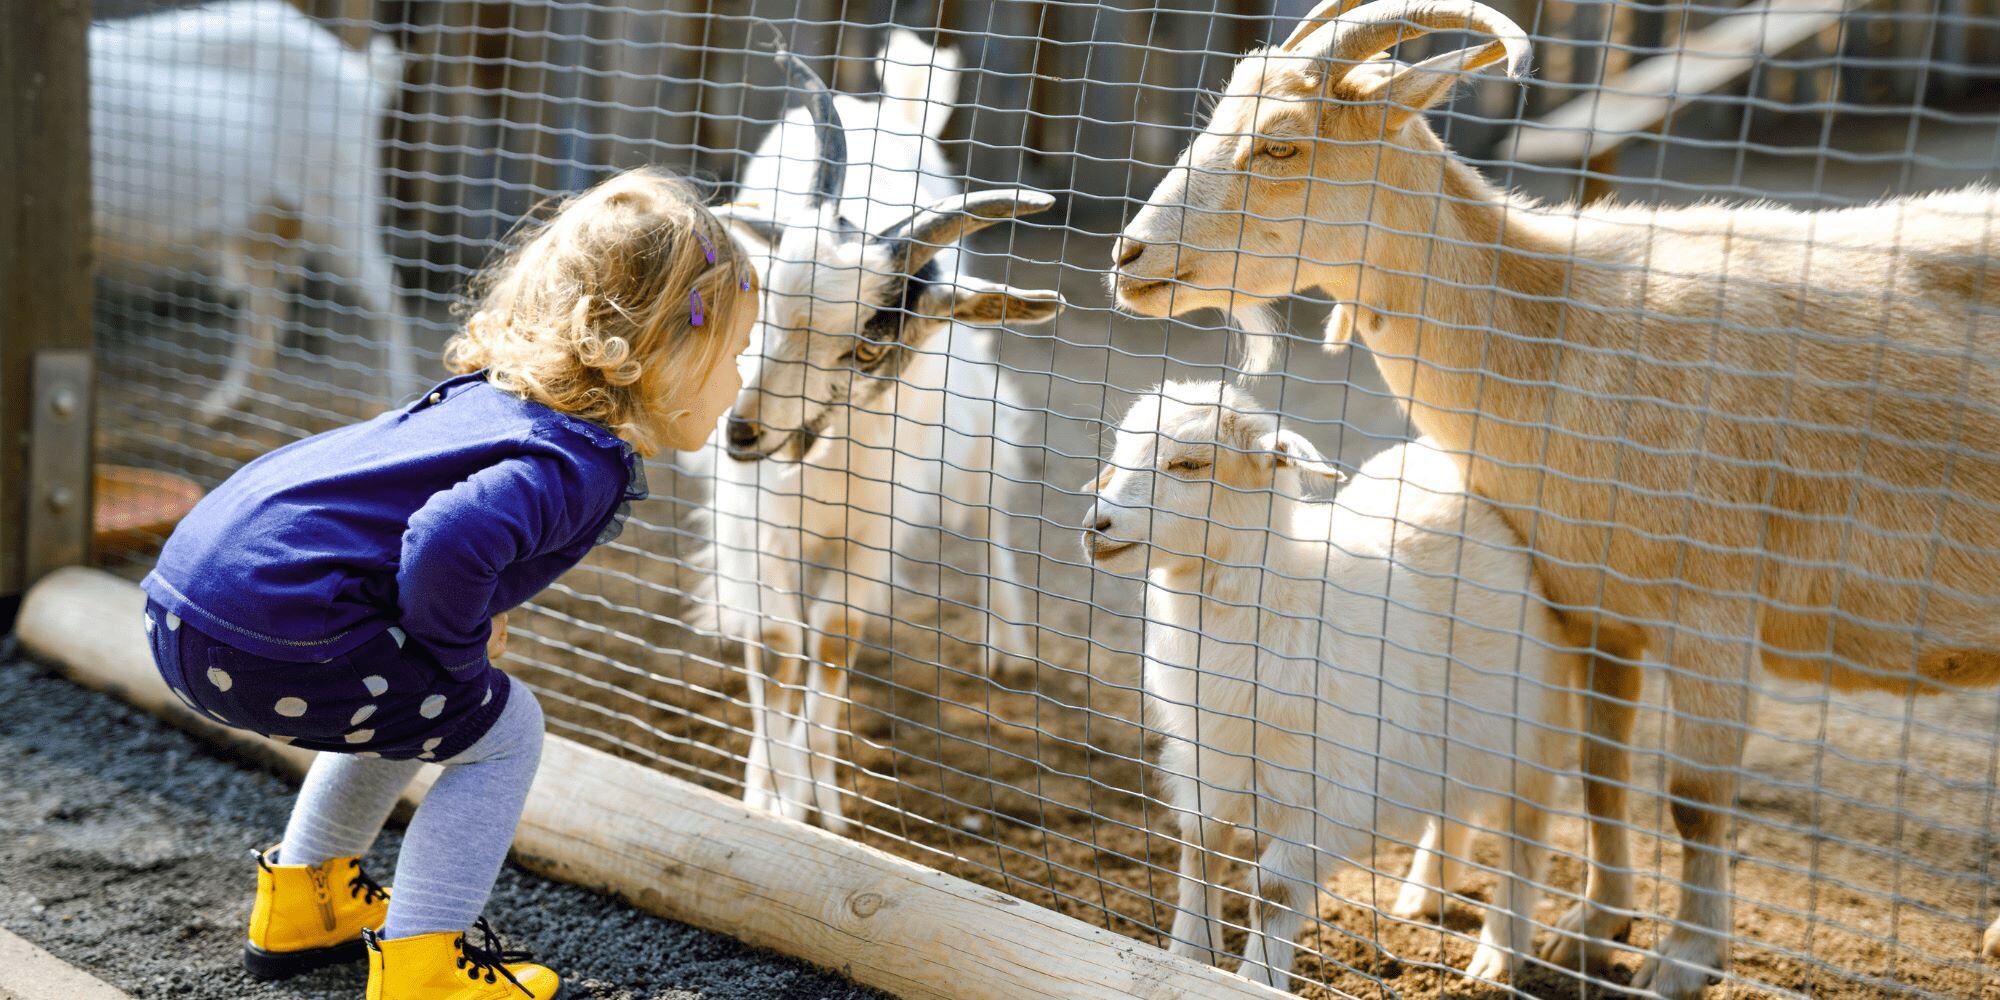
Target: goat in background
<point x="239" y="141"/>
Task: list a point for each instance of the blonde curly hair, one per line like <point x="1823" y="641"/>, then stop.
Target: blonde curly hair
<point x="592" y="312"/>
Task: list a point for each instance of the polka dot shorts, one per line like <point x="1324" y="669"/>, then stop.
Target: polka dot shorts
<point x="386" y="698"/>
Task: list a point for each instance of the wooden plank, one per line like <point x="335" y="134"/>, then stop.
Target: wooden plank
<point x="29" y="973"/>
<point x="1643" y="97"/>
<point x="691" y="854"/>
<point x="45" y="285"/>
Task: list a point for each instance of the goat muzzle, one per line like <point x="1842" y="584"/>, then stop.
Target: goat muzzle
<point x="743" y="438"/>
<point x="1127" y="250"/>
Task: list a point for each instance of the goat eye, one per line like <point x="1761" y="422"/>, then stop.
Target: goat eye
<point x="1278" y="150"/>
<point x="1186" y="465"/>
<point x="867" y="352"/>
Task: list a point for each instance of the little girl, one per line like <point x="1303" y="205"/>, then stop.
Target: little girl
<point x="347" y="592"/>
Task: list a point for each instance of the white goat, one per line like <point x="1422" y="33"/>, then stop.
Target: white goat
<point x="237" y="141"/>
<point x="1329" y="672"/>
<point x="1733" y="435"/>
<point x="870" y="412"/>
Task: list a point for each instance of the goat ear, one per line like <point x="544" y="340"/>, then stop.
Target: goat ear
<point x="1288" y="449"/>
<point x="1407" y="90"/>
<point x="987" y="303"/>
<point x="750" y="224"/>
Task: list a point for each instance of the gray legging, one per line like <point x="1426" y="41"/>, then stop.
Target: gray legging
<point x="461" y="832"/>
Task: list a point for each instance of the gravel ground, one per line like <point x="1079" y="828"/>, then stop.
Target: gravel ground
<point x="124" y="850"/>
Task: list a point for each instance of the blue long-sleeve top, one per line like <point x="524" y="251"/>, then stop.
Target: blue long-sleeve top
<point x="432" y="519"/>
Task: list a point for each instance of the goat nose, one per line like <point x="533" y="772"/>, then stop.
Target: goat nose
<point x="1101" y="525"/>
<point x="1128" y="251"/>
<point x="742" y="434"/>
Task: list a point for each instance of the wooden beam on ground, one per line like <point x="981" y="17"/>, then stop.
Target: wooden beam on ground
<point x="1644" y="97"/>
<point x="29" y="973"/>
<point x="693" y="855"/>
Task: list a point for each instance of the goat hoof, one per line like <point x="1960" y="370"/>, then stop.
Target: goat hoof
<point x="1579" y="939"/>
<point x="759" y="799"/>
<point x="1684" y="967"/>
<point x="1264" y="975"/>
<point x="212" y="412"/>
<point x="1418" y="902"/>
<point x="1492" y="964"/>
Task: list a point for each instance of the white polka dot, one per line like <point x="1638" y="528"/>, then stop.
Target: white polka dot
<point x="488" y="698"/>
<point x="427" y="755"/>
<point x="361" y="736"/>
<point x="287" y="740"/>
<point x="290" y="708"/>
<point x="150" y="624"/>
<point x="398" y="635"/>
<point x="173" y="621"/>
<point x="432" y="707"/>
<point x="361" y="715"/>
<point x="220" y="678"/>
<point x="376" y="684"/>
<point x="369" y="754"/>
<point x="432" y="743"/>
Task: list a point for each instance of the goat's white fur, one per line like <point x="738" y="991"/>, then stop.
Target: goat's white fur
<point x="1326" y="673"/>
<point x="808" y="548"/>
<point x="238" y="141"/>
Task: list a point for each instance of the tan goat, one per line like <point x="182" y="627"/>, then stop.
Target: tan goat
<point x="1731" y="434"/>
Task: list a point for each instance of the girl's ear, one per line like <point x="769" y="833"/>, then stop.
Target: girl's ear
<point x="1288" y="449"/>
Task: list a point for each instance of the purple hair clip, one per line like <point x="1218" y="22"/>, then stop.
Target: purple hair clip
<point x="695" y="315"/>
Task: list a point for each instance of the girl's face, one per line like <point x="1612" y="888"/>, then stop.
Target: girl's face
<point x="709" y="398"/>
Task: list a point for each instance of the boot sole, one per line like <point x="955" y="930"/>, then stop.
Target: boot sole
<point x="266" y="966"/>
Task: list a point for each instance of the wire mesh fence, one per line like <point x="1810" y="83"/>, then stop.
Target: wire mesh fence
<point x="1008" y="611"/>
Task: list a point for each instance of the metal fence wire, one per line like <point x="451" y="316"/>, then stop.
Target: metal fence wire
<point x="1073" y="605"/>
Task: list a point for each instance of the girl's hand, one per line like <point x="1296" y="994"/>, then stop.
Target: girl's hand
<point x="496" y="644"/>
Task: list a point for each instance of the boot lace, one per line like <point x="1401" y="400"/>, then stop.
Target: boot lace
<point x="488" y="959"/>
<point x="363" y="888"/>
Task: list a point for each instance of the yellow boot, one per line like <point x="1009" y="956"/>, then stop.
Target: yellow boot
<point x="447" y="967"/>
<point x="308" y="917"/>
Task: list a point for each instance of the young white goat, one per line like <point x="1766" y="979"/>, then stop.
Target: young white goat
<point x="1732" y="434"/>
<point x="870" y="413"/>
<point x="238" y="141"/>
<point x="1330" y="672"/>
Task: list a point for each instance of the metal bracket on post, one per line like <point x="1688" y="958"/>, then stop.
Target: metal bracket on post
<point x="59" y="466"/>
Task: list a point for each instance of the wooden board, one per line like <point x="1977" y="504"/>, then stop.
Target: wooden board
<point x="29" y="973"/>
<point x="691" y="854"/>
<point x="1638" y="100"/>
<point x="45" y="287"/>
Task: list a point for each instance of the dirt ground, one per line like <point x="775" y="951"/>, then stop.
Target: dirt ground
<point x="1864" y="859"/>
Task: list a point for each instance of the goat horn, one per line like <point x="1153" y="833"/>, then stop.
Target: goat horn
<point x="827" y="127"/>
<point x="918" y="238"/>
<point x="1378" y="27"/>
<point x="1319" y="17"/>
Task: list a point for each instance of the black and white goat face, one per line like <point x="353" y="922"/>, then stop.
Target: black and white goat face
<point x="844" y="310"/>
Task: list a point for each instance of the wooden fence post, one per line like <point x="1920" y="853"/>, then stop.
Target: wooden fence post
<point x="45" y="284"/>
